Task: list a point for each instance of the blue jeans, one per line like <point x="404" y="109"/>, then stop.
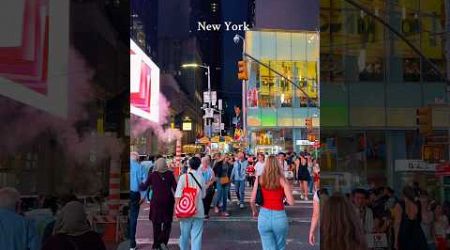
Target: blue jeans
<point x="135" y="198"/>
<point x="240" y="190"/>
<point x="310" y="186"/>
<point x="273" y="228"/>
<point x="191" y="229"/>
<point x="222" y="195"/>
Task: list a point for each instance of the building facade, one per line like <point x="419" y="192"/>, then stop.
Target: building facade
<point x="372" y="83"/>
<point x="275" y="108"/>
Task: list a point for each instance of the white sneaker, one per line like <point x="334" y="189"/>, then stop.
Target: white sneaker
<point x="241" y="205"/>
<point x="295" y="192"/>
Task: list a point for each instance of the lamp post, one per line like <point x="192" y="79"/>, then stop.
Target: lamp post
<point x="195" y="65"/>
<point x="236" y="39"/>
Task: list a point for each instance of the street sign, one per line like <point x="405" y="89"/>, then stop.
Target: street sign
<point x="206" y="97"/>
<point x="216" y="127"/>
<point x="413" y="165"/>
<point x="209" y="113"/>
<point x="213" y="97"/>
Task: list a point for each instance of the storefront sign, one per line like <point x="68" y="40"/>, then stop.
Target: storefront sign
<point x="304" y="143"/>
<point x="414" y="165"/>
<point x="187" y="126"/>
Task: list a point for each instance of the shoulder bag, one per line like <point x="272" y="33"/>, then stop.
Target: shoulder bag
<point x="186" y="206"/>
<point x="224" y="180"/>
<point x="259" y="196"/>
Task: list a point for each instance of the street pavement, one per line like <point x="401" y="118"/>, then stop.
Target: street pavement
<point x="239" y="231"/>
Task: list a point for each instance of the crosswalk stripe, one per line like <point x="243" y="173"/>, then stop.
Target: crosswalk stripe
<point x="175" y="241"/>
<point x="245" y="219"/>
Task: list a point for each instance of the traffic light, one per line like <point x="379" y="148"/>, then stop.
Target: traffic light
<point x="308" y="123"/>
<point x="424" y="120"/>
<point x="242" y="68"/>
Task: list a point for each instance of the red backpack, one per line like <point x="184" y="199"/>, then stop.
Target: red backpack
<point x="185" y="207"/>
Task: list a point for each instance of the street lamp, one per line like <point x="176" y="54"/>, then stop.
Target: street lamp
<point x="236" y="39"/>
<point x="195" y="65"/>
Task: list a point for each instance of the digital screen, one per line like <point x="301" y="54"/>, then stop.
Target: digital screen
<point x="144" y="85"/>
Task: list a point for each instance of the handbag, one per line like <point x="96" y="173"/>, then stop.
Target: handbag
<point x="259" y="196"/>
<point x="224" y="180"/>
<point x="149" y="193"/>
<point x="186" y="206"/>
<point x="289" y="174"/>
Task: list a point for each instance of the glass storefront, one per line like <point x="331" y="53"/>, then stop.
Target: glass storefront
<point x="277" y="108"/>
<point x="372" y="82"/>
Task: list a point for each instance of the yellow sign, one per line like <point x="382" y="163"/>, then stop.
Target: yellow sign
<point x="187" y="126"/>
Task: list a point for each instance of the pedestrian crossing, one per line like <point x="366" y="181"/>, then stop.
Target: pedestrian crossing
<point x="248" y="191"/>
<point x="174" y="242"/>
<point x="238" y="226"/>
<point x="233" y="205"/>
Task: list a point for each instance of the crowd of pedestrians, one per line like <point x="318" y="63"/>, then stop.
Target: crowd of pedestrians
<point x="64" y="226"/>
<point x="205" y="182"/>
<point x="378" y="219"/>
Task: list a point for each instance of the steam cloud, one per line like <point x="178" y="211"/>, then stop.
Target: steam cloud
<point x="22" y="124"/>
<point x="140" y="126"/>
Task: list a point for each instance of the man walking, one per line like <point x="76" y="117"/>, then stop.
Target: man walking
<point x="17" y="231"/>
<point x="238" y="177"/>
<point x="136" y="178"/>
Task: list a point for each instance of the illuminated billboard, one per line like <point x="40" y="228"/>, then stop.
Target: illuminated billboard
<point x="34" y="48"/>
<point x="144" y="85"/>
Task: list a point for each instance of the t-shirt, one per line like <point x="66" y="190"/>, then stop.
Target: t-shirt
<point x="259" y="168"/>
<point x="285" y="166"/>
<point x="200" y="191"/>
<point x="207" y="173"/>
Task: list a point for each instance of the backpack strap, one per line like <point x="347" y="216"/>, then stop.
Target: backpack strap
<point x="200" y="186"/>
<point x="187" y="180"/>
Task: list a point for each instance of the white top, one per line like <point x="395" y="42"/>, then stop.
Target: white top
<point x="285" y="166"/>
<point x="366" y="220"/>
<point x="200" y="192"/>
<point x="259" y="168"/>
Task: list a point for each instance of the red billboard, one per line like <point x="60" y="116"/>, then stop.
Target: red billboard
<point x="144" y="85"/>
<point x="34" y="47"/>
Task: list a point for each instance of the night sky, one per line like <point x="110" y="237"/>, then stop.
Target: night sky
<point x="280" y="14"/>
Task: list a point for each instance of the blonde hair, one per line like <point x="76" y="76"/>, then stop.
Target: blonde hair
<point x="270" y="179"/>
<point x="340" y="228"/>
